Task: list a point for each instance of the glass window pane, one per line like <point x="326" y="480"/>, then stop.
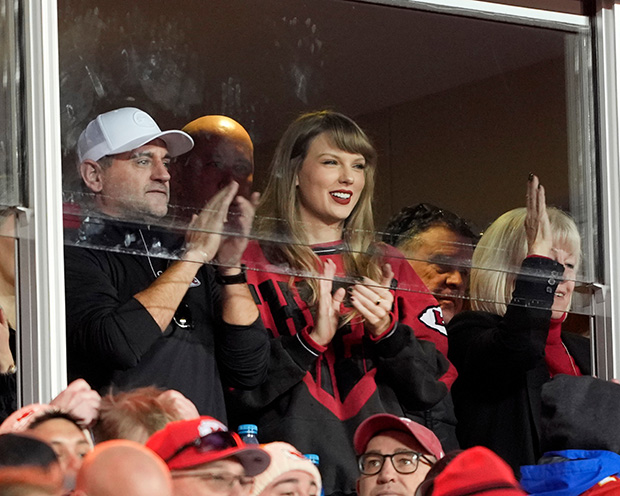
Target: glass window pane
<point x="461" y="111"/>
<point x="459" y="120"/>
<point x="9" y="106"/>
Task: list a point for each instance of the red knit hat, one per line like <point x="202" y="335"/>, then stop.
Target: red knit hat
<point x="189" y="443"/>
<point x="474" y="471"/>
<point x="372" y="426"/>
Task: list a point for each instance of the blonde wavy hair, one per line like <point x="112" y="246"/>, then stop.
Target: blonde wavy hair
<point x="278" y="217"/>
<point x="501" y="250"/>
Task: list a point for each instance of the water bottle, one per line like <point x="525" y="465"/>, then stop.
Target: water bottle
<point x="248" y="433"/>
<point x="315" y="460"/>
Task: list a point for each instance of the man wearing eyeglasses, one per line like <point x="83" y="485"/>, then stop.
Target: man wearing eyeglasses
<point x="394" y="455"/>
<point x="207" y="460"/>
<point x="146" y="305"/>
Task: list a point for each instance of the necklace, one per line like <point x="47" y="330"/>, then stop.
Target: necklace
<point x="182" y="316"/>
<point x="570" y="358"/>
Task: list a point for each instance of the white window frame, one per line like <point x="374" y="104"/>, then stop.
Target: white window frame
<point x="40" y="299"/>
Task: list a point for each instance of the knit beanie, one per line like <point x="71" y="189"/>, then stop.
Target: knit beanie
<point x="284" y="458"/>
<point x="475" y="471"/>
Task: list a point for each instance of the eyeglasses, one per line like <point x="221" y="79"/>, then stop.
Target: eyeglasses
<point x="404" y="462"/>
<point x="216" y="441"/>
<point x="218" y="482"/>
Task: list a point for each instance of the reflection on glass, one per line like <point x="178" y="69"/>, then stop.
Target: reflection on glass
<point x="473" y="112"/>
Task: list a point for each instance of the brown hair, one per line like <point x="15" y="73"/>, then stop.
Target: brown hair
<point x="278" y="221"/>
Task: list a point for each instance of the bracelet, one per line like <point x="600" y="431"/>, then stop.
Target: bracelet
<point x="239" y="278"/>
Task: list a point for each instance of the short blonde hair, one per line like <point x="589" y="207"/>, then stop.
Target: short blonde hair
<point x="501" y="250"/>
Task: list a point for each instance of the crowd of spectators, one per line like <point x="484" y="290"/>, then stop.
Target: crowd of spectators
<point x="423" y="360"/>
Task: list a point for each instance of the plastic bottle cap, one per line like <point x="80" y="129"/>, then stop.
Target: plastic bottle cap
<point x="245" y="429"/>
<point x="313" y="458"/>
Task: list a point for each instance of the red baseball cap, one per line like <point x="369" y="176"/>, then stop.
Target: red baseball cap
<point x="189" y="443"/>
<point x="372" y="426"/>
<point x="476" y="470"/>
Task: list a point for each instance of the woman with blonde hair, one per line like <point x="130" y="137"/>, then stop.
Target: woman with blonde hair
<point x="511" y="343"/>
<point x="354" y="330"/>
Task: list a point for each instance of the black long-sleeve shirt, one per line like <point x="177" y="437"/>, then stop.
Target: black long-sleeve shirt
<point x="114" y="342"/>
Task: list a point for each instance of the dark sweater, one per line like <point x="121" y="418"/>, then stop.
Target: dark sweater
<point x="502" y="368"/>
<point x="113" y="342"/>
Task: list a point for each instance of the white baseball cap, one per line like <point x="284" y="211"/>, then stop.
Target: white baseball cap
<point x="126" y="129"/>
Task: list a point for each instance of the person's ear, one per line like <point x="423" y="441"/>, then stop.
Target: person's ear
<point x="78" y="492"/>
<point x="92" y="173"/>
<point x="357" y="486"/>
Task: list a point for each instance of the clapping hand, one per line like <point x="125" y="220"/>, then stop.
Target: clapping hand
<point x="204" y="233"/>
<point x="328" y="312"/>
<point x="238" y="227"/>
<point x="374" y="301"/>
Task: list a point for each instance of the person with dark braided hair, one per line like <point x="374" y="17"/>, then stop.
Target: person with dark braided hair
<point x="439" y="246"/>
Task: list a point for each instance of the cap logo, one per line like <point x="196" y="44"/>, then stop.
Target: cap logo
<point x="143" y="119"/>
<point x="207" y="427"/>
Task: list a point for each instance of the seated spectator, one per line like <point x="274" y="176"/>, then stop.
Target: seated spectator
<point x="18" y="450"/>
<point x="573" y="473"/>
<point x="223" y="152"/>
<point x="122" y="467"/>
<point x="207" y="460"/>
<point x="77" y="399"/>
<point x="439" y="246"/>
<point x="579" y="434"/>
<point x="471" y="472"/>
<point x="63" y="433"/>
<point x="411" y="448"/>
<point x="512" y="343"/>
<point x="139" y="413"/>
<point x="289" y="473"/>
<point x="28" y="481"/>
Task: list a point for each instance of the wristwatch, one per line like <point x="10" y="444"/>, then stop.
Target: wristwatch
<point x="239" y="278"/>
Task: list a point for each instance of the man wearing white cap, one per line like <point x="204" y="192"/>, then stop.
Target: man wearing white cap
<point x="134" y="316"/>
<point x="411" y="449"/>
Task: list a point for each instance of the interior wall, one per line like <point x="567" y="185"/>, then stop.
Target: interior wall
<point x="471" y="148"/>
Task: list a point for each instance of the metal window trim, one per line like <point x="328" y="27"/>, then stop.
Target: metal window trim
<point x="41" y="322"/>
<point x="606" y="325"/>
<point x="496" y="12"/>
